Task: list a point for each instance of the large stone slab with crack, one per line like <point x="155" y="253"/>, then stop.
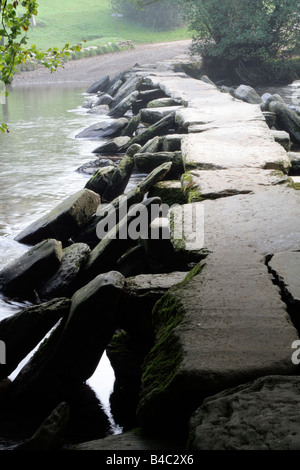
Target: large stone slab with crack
<point x="212" y="184"/>
<point x="223" y="327"/>
<point x="285" y="266"/>
<point x="268" y="221"/>
<point x="261" y="415"/>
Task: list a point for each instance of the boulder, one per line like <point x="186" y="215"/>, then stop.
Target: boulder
<point x="105" y="128"/>
<point x="170" y="192"/>
<point x="163" y="102"/>
<point x="112" y="147"/>
<point x="172" y="143"/>
<point x="283" y="138"/>
<point x="21" y="277"/>
<point x="146" y="162"/>
<point x="247" y="94"/>
<point x="114" y="88"/>
<point x="93" y="166"/>
<point x="160" y="128"/>
<point x="99" y="85"/>
<point x="71" y="354"/>
<point x="286" y="120"/>
<point x="100" y="179"/>
<point x="23" y="331"/>
<point x="116" y="239"/>
<point x="133" y="262"/>
<point x="132" y="126"/>
<point x="259" y="415"/>
<point x="63" y="281"/>
<point x="104" y="100"/>
<point x="121" y="108"/>
<point x="132" y="84"/>
<point x="50" y="434"/>
<point x="153" y="115"/>
<point x="119" y="179"/>
<point x="64" y="221"/>
<point x="152" y="146"/>
<point x="295" y="163"/>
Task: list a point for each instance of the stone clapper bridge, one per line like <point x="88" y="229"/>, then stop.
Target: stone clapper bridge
<point x="220" y="373"/>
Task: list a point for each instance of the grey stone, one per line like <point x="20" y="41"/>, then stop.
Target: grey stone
<point x="131" y="85"/>
<point x="100" y="180"/>
<point x="63" y="221"/>
<point x="21" y="277"/>
<point x="283" y="138"/>
<point x="99" y="85"/>
<point x="132" y="126"/>
<point x="295" y="162"/>
<point x="260" y="415"/>
<point x="112" y="146"/>
<point x="159" y="128"/>
<point x="163" y="102"/>
<point x="170" y="192"/>
<point x="114" y="88"/>
<point x="154" y="177"/>
<point x="225" y="325"/>
<point x="152" y="146"/>
<point x="119" y="179"/>
<point x="286" y="120"/>
<point x="153" y="115"/>
<point x="117" y="239"/>
<point x="49" y="436"/>
<point x="147" y="162"/>
<point x="23" y="331"/>
<point x="172" y="143"/>
<point x="105" y="128"/>
<point x="121" y="108"/>
<point x="248" y="94"/>
<point x="104" y="100"/>
<point x="63" y="281"/>
<point x="93" y="166"/>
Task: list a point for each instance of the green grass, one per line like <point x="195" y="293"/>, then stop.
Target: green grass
<point x="74" y="21"/>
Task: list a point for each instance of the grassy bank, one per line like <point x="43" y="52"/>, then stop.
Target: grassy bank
<point x="74" y="21"/>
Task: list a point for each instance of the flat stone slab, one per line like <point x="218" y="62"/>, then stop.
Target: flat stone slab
<point x="213" y="184"/>
<point x="239" y="146"/>
<point x="152" y="284"/>
<point x="225" y="326"/>
<point x="261" y="415"/>
<point x="268" y="221"/>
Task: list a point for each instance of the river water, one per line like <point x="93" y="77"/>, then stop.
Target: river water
<point x="39" y="158"/>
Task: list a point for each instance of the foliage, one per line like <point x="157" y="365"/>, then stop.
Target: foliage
<point x="158" y="15"/>
<point x="236" y="34"/>
<point x="16" y="17"/>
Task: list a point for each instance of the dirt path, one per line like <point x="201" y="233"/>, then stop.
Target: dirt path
<point x="86" y="71"/>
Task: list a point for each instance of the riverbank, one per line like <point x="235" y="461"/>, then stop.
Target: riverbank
<point x="86" y="71"/>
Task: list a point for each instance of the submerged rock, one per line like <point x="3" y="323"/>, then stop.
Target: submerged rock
<point x="21" y="277"/>
<point x="64" y="221"/>
<point x="23" y="331"/>
<point x="105" y="128"/>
